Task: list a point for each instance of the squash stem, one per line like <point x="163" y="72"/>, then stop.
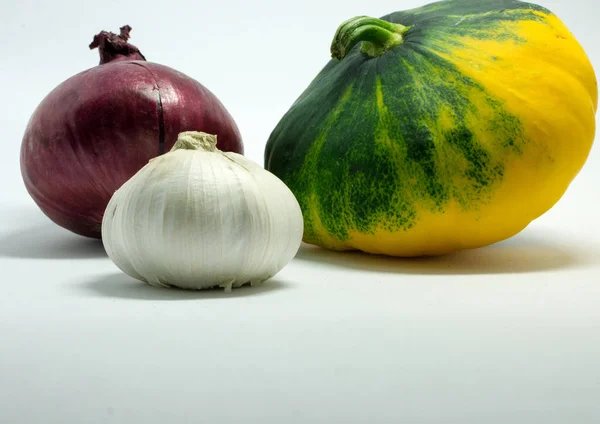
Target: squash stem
<point x="377" y="35"/>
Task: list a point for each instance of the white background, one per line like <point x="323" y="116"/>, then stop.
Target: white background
<point x="505" y="334"/>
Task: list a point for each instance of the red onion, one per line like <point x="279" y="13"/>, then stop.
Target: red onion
<point x="98" y="128"/>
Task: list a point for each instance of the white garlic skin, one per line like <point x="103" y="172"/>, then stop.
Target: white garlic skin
<point x="198" y="219"/>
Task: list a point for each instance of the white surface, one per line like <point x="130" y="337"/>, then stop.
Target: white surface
<point x="505" y="334"/>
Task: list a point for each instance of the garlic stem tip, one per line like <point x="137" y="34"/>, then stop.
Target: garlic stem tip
<point x="195" y="140"/>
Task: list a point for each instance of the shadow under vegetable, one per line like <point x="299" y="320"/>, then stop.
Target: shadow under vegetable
<point x="122" y="286"/>
<point x="36" y="237"/>
<point x="524" y="253"/>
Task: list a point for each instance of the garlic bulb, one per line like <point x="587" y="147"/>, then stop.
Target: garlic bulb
<point x="197" y="217"/>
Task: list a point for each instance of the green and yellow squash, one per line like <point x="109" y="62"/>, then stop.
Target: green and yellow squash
<point x="441" y="128"/>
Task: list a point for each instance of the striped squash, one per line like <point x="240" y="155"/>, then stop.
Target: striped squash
<point x="446" y="127"/>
